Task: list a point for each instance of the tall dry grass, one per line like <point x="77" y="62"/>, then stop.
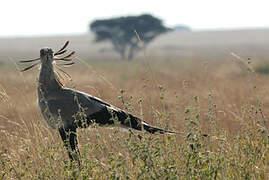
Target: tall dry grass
<point x="223" y="99"/>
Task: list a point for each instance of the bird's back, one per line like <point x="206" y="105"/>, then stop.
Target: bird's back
<point x="66" y="106"/>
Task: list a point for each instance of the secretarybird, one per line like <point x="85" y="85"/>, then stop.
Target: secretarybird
<point x="68" y="109"/>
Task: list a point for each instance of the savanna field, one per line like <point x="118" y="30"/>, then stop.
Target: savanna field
<point x="227" y="99"/>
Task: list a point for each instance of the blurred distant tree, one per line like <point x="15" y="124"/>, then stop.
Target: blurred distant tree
<point x="182" y="28"/>
<point x="121" y="32"/>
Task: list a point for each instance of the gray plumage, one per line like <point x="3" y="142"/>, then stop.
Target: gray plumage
<point x="67" y="109"/>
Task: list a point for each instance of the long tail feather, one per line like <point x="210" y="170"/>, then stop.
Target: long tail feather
<point x="115" y="117"/>
<point x="153" y="129"/>
<point x="136" y="123"/>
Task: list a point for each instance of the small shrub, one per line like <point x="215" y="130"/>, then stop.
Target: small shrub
<point x="262" y="68"/>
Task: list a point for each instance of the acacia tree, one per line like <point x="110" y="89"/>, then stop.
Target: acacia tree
<point x="121" y="32"/>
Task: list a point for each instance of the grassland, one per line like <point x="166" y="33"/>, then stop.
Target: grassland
<point x="225" y="99"/>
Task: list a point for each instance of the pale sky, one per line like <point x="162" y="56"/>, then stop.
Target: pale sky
<point x="55" y="17"/>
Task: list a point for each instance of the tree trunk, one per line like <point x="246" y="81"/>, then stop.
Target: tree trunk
<point x="131" y="53"/>
<point x="122" y="54"/>
<point x="120" y="49"/>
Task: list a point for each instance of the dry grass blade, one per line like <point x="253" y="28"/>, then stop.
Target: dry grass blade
<point x="65" y="45"/>
<point x="25" y="69"/>
<point x="244" y="64"/>
<point x="30" y="60"/>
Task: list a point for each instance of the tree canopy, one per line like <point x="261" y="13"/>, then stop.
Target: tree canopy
<point x="123" y="32"/>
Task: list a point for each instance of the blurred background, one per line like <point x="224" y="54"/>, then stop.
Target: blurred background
<point x="206" y="29"/>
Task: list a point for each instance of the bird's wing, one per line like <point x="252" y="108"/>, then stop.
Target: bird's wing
<point x="82" y="95"/>
<point x="100" y="111"/>
<point x="70" y="101"/>
<point x="89" y="101"/>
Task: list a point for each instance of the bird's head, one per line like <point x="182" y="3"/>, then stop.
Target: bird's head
<point x="47" y="57"/>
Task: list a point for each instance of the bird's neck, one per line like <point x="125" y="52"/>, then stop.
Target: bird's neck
<point x="47" y="78"/>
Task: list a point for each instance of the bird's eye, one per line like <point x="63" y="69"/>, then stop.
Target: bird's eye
<point x="42" y="52"/>
<point x="49" y="51"/>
